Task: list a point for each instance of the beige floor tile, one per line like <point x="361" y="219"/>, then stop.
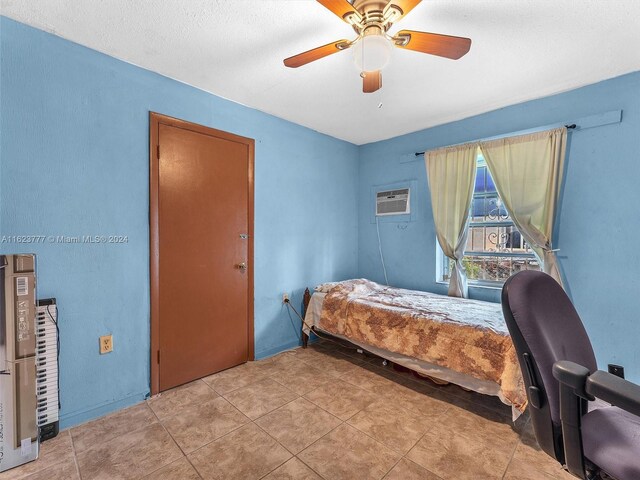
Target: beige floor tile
<point x="294" y="469"/>
<point x="531" y="463"/>
<point x="528" y="436"/>
<point x="394" y="427"/>
<point x="178" y="470"/>
<point x="417" y="399"/>
<point x="457" y="397"/>
<point x="281" y="363"/>
<point x="406" y="470"/>
<point x="347" y="454"/>
<point x="476" y="400"/>
<point x="341" y="399"/>
<point x="129" y="456"/>
<point x="298" y="424"/>
<point x="404" y="374"/>
<point x="308" y="354"/>
<point x="172" y="401"/>
<point x="244" y="454"/>
<point x="451" y="455"/>
<point x="371" y="380"/>
<point x="489" y="425"/>
<point x="336" y="364"/>
<point x="236" y="377"/>
<point x="65" y="470"/>
<point x="198" y="425"/>
<point x="303" y="378"/>
<point x="97" y="432"/>
<point x="52" y="452"/>
<point x="268" y="366"/>
<point x="387" y="371"/>
<point x="289" y="363"/>
<point x="260" y="398"/>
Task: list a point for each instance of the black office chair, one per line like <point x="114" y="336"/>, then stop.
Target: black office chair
<point x="591" y="438"/>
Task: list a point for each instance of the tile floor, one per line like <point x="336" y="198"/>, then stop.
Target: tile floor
<point x="321" y="413"/>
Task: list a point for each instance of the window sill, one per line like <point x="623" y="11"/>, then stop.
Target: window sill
<point x="477" y="285"/>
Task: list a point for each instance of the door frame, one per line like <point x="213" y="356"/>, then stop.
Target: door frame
<point x="155" y="120"/>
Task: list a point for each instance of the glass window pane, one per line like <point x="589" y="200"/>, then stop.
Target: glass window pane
<point x="478" y="210"/>
<point x="472" y="268"/>
<point x="480" y="179"/>
<point x="514" y="242"/>
<point x="491" y="187"/>
<point x="496" y="268"/>
<point x="476" y="235"/>
<point x="491" y="239"/>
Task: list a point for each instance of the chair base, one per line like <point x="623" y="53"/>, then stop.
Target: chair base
<point x="594" y="473"/>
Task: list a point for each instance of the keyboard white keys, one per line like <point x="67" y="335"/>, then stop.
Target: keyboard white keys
<point x="47" y="364"/>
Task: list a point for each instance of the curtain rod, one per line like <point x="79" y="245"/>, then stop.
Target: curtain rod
<point x="568" y="127"/>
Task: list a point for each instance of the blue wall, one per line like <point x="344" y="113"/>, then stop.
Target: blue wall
<point x="599" y="219"/>
<point x="75" y="162"/>
<point x="74" y="150"/>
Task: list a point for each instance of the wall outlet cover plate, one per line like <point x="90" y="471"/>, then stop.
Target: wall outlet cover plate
<point x="106" y="344"/>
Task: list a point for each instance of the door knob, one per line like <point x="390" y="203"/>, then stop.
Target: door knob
<point x="241" y="266"/>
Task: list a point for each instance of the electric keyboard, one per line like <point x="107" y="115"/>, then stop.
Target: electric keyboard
<point x="47" y="368"/>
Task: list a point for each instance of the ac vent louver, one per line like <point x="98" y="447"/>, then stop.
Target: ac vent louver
<point x="393" y="202"/>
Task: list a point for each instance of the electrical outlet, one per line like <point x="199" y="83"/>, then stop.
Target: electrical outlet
<point x="106" y="344"/>
<point x="617" y="370"/>
<point x="285" y="297"/>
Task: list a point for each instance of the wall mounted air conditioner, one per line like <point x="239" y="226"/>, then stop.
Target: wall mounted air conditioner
<point x="393" y="202"/>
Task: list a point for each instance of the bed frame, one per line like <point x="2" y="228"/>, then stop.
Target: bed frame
<point x="305" y="304"/>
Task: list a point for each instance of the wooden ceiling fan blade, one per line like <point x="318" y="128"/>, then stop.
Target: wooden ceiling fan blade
<point x="316" y="53"/>
<point x="402" y="6"/>
<point x="433" y="43"/>
<point x="343" y="9"/>
<point x="372" y="81"/>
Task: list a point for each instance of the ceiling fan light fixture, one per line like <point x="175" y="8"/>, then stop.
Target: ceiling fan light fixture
<point x="371" y="20"/>
<point x="372" y="52"/>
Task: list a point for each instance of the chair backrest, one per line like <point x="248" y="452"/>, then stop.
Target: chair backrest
<point x="545" y="328"/>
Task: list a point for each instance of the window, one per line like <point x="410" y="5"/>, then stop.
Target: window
<point x="495" y="249"/>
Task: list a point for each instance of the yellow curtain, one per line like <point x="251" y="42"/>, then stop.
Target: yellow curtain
<point x="451" y="172"/>
<point x="527" y="171"/>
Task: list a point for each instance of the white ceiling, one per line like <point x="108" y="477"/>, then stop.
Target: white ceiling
<point x="522" y="49"/>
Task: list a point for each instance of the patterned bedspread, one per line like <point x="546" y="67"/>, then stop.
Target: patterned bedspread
<point x="467" y="336"/>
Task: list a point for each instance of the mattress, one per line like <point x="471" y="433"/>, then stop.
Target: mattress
<point x="461" y="341"/>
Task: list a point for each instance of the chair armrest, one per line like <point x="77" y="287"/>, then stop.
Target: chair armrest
<point x="572" y="375"/>
<point x="614" y="390"/>
<point x="573" y="398"/>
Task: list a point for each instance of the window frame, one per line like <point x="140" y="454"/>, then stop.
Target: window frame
<point x="442" y="263"/>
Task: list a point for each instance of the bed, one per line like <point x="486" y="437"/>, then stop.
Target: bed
<point x="465" y="342"/>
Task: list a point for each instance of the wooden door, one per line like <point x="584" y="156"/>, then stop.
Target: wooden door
<point x="201" y="251"/>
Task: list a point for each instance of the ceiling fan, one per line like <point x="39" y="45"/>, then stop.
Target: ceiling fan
<point x="371" y="19"/>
